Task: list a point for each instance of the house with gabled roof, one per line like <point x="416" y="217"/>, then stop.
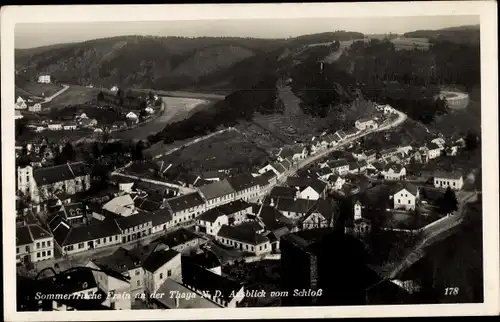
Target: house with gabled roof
<point x="340" y="166"/>
<point x="122" y="205"/>
<point x="245" y="186"/>
<point x="295" y="153"/>
<point x="321" y="215"/>
<point x="217" y="193"/>
<point x="182" y="240"/>
<point x="434" y="151"/>
<point x="274" y="167"/>
<point x="187" y="207"/>
<point x="394" y="171"/>
<point x="336" y="182"/>
<point x="291" y="208"/>
<point x="159" y="266"/>
<point x="223" y="291"/>
<point x="309" y="188"/>
<point x="406" y="196"/>
<point x="33" y="244"/>
<point x="247" y="236"/>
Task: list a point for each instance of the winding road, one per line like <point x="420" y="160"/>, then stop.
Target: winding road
<point x="59" y="92"/>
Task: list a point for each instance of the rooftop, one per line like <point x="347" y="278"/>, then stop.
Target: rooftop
<point x="242" y="233"/>
<point x="159" y="258"/>
<point x="216" y="189"/>
<point x="184" y="202"/>
<point x="199" y="278"/>
<point x="50" y="175"/>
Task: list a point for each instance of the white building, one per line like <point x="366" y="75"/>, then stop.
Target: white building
<point x="394" y="172"/>
<point x="132" y="117"/>
<point x="112" y="284"/>
<point x="34" y="244"/>
<point x="20" y="105"/>
<point x="159" y="266"/>
<point x="434" y="151"/>
<point x="340" y="166"/>
<point x="358" y="207"/>
<point x="454" y="180"/>
<point x="37" y="107"/>
<point x="406" y="197"/>
<point x="212" y="221"/>
<point x="365" y="124"/>
<point x="55" y="126"/>
<point x="114" y="88"/>
<point x="44" y="79"/>
<point x="247" y="237"/>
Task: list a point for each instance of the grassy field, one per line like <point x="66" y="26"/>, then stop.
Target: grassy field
<point x="260" y="136"/>
<point x="227" y="150"/>
<point x="403" y="43"/>
<point x="37" y="89"/>
<point x="74" y="95"/>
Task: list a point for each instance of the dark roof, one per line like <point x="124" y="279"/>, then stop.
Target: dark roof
<point x="161" y="216"/>
<point x="133" y="220"/>
<point x="23" y="236"/>
<point x="303" y="182"/>
<point x="146" y="204"/>
<point x="234" y="207"/>
<point x="455" y="175"/>
<point x="243" y="233"/>
<point x="242" y="182"/>
<point x="291" y="205"/>
<point x="433" y="146"/>
<point x="396" y="167"/>
<point x="120" y="261"/>
<point x="75" y="280"/>
<point x="202" y="182"/>
<point x="94" y="230"/>
<point x="178" y="237"/>
<point x="278" y="167"/>
<point x="216" y="189"/>
<point x="408" y="186"/>
<point x="184" y="202"/>
<point x="199" y="278"/>
<point x="337" y="163"/>
<point x="50" y="175"/>
<point x="268" y="175"/>
<point x="211" y="215"/>
<point x="28" y="234"/>
<point x="325" y="207"/>
<point x="283" y="192"/>
<point x="74" y="210"/>
<point x="273" y="219"/>
<point x="158" y="259"/>
<point x="206" y="259"/>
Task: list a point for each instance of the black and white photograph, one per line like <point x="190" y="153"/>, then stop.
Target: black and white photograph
<point x="322" y="160"/>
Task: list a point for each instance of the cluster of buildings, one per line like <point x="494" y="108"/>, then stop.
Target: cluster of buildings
<point x="250" y="213"/>
<point x="29" y="104"/>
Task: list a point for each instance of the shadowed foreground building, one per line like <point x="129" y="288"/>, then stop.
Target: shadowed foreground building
<point x="326" y="260"/>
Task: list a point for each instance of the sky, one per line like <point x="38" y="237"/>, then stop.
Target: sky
<point x="28" y="35"/>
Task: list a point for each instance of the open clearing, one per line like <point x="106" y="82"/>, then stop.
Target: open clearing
<point x="74" y="95"/>
<point x="40" y="89"/>
<point x="223" y="151"/>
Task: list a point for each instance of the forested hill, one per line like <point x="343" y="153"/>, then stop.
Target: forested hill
<point x="459" y="35"/>
<point x="159" y="62"/>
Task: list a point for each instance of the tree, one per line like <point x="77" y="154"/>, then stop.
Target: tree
<point x="151" y="95"/>
<point x="471" y="141"/>
<point x="448" y="203"/>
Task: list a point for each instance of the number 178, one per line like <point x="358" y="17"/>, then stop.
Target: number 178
<point x="451" y="291"/>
